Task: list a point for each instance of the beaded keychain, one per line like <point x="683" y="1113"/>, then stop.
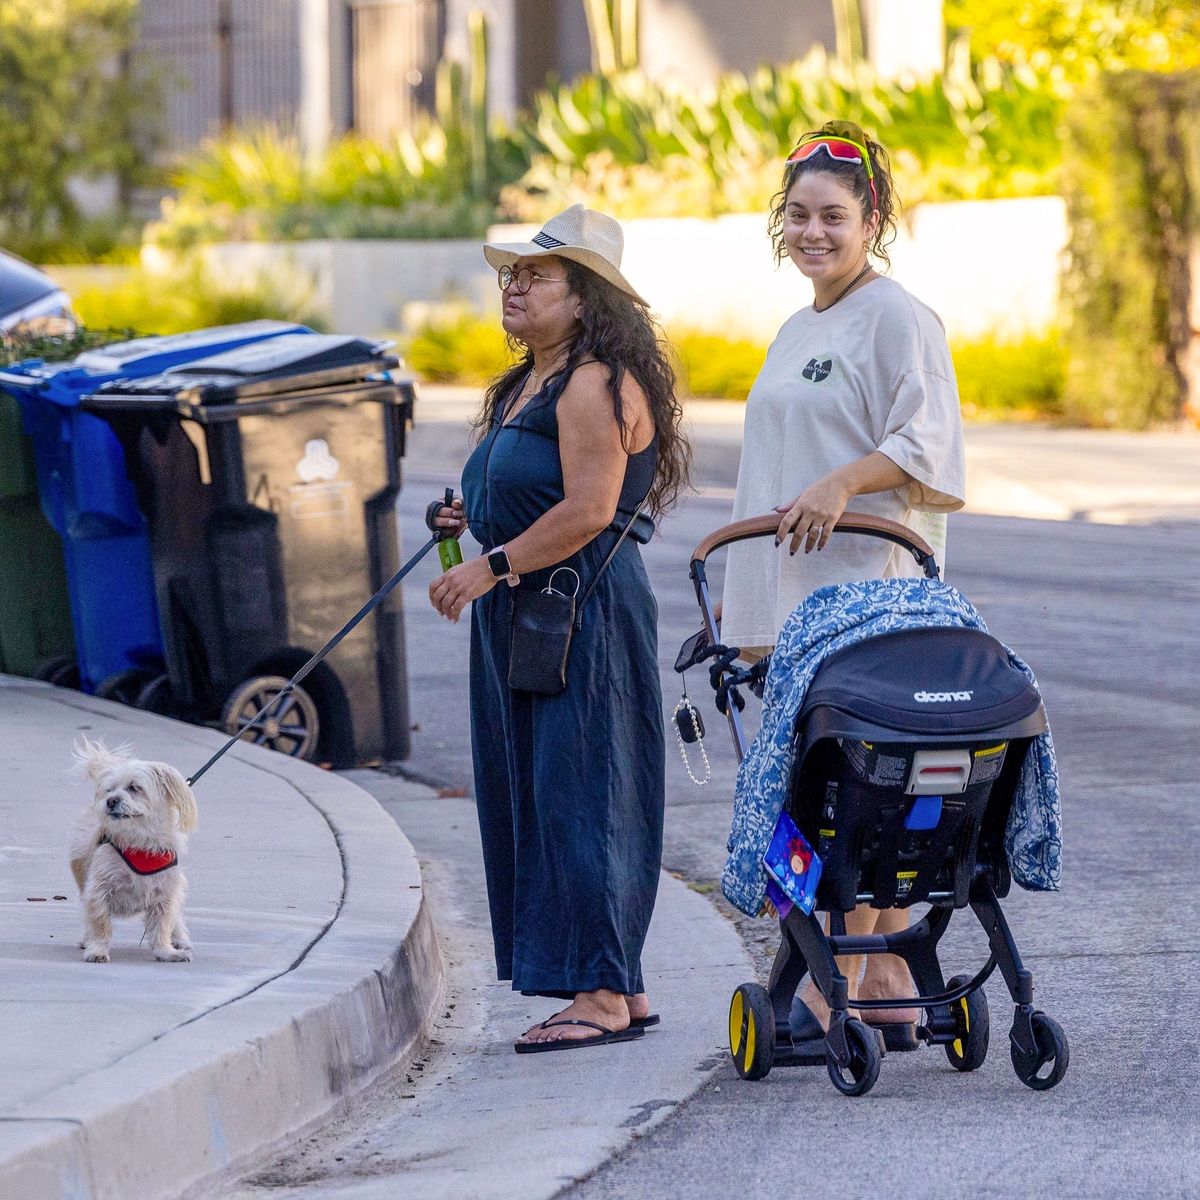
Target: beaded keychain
<point x="689" y="730"/>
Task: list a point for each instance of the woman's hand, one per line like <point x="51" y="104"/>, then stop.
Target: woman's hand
<point x="452" y="518"/>
<point x="810" y="518"/>
<point x="452" y="592"/>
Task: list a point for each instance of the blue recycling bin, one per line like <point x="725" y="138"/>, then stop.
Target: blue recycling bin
<point x="89" y="501"/>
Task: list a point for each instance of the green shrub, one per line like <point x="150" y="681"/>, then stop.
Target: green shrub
<point x="1132" y="177"/>
<point x="61" y="347"/>
<point x="979" y="130"/>
<point x="184" y="300"/>
<point x="1015" y="379"/>
<point x="258" y="186"/>
<point x="712" y="365"/>
<point x="465" y="349"/>
<point x="73" y="106"/>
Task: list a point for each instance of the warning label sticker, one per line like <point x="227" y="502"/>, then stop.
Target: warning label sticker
<point x="987" y="763"/>
<point x="884" y="770"/>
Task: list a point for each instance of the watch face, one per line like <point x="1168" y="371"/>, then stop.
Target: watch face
<point x="498" y="561"/>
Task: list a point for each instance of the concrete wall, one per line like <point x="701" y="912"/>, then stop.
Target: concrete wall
<point x="982" y="265"/>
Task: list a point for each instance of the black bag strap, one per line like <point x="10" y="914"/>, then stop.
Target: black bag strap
<point x="604" y="565"/>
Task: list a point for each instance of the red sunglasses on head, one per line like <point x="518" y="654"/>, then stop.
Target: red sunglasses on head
<point x="840" y="149"/>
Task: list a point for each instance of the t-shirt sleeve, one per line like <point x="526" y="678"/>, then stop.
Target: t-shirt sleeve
<point x="923" y="436"/>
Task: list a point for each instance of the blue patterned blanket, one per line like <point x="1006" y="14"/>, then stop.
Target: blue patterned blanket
<point x="829" y="620"/>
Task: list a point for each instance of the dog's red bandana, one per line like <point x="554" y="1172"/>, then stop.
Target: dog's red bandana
<point x="144" y="862"/>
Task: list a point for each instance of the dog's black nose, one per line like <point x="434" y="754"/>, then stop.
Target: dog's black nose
<point x="111" y="803"/>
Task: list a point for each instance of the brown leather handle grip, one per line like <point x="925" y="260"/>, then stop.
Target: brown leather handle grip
<point x="848" y="522"/>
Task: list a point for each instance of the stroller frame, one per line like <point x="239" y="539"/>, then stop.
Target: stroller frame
<point x="956" y="1014"/>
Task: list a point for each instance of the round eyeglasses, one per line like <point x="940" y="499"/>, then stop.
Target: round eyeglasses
<point x="521" y="281"/>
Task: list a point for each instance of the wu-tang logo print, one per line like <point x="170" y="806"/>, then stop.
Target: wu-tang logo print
<point x="818" y="369"/>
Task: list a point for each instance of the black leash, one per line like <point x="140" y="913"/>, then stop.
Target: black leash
<point x="290" y="686"/>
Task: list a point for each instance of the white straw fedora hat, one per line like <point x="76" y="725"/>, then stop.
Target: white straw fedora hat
<point x="581" y="234"/>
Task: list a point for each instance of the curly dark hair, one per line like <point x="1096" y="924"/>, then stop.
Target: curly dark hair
<point x="854" y="177"/>
<point x="618" y="331"/>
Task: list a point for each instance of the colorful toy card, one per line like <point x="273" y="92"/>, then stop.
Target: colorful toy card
<point x="792" y="865"/>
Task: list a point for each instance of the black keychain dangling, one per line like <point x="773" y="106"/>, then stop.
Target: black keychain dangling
<point x="689" y="731"/>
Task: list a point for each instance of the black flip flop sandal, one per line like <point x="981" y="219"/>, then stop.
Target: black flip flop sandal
<point x="604" y="1038"/>
<point x="644" y="1022"/>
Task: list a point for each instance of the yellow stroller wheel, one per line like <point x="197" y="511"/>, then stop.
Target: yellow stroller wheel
<point x="752" y="1031"/>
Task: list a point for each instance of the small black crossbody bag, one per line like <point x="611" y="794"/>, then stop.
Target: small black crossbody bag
<point x="543" y="624"/>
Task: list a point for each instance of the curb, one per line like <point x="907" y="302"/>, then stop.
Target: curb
<point x="218" y="1091"/>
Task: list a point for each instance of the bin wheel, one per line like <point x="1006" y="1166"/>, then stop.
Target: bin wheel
<point x="293" y="729"/>
<point x="752" y="1031"/>
<point x="1043" y="1070"/>
<point x="859" y="1076"/>
<point x="969" y="1049"/>
<point x="125" y="686"/>
<point x="62" y="670"/>
<point x="158" y="697"/>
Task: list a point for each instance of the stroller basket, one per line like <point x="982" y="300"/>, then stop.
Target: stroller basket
<point x="908" y="752"/>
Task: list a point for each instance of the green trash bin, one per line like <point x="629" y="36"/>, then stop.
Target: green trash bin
<point x="35" y="614"/>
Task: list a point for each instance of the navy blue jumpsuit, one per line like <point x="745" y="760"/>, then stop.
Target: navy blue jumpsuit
<point x="569" y="788"/>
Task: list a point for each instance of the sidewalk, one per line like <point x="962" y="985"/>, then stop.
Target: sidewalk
<point x="317" y="972"/>
<point x="315" y="965"/>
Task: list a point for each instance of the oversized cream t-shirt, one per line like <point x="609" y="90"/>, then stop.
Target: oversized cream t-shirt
<point x="873" y="372"/>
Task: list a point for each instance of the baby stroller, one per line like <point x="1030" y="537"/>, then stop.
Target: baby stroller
<point x="904" y="805"/>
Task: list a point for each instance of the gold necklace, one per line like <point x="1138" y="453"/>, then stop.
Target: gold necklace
<point x="844" y="290"/>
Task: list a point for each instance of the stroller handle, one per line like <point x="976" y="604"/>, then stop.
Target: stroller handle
<point x="880" y="527"/>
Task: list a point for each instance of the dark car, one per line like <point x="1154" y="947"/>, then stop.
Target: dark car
<point x="31" y="303"/>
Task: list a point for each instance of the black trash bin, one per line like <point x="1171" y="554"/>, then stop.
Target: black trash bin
<point x="269" y="476"/>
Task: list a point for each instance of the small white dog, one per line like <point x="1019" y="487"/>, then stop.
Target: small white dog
<point x="125" y="850"/>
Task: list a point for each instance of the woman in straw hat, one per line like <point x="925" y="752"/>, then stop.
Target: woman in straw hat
<point x="578" y="443"/>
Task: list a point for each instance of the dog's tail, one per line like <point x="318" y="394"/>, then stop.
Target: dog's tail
<point x="81" y="857"/>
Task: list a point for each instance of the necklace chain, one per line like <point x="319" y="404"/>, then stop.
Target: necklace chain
<point x="866" y="268"/>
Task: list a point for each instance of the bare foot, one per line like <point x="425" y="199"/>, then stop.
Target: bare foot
<point x="816" y="1002"/>
<point x="876" y="989"/>
<point x="894" y="983"/>
<point x="601" y="1007"/>
<point x="639" y="1006"/>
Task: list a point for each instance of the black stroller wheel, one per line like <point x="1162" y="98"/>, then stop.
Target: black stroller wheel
<point x="752" y="1031"/>
<point x="1043" y="1070"/>
<point x="859" y="1076"/>
<point x="969" y="1049"/>
<point x="292" y="729"/>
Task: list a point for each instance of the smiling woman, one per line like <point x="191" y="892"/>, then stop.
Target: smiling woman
<point x="579" y="449"/>
<point x="856" y="405"/>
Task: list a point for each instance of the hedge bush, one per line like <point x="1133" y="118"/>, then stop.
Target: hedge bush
<point x="187" y="299"/>
<point x="999" y="378"/>
<point x="1132" y="188"/>
<point x="1011" y="379"/>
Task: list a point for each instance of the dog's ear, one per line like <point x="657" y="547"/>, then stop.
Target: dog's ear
<point x="92" y="759"/>
<point x="178" y="795"/>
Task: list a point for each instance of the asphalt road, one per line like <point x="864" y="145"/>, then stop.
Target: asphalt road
<point x="1106" y="615"/>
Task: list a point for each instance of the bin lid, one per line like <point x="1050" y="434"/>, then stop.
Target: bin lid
<point x="140" y="357"/>
<point x="160" y="353"/>
<point x="286" y="364"/>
